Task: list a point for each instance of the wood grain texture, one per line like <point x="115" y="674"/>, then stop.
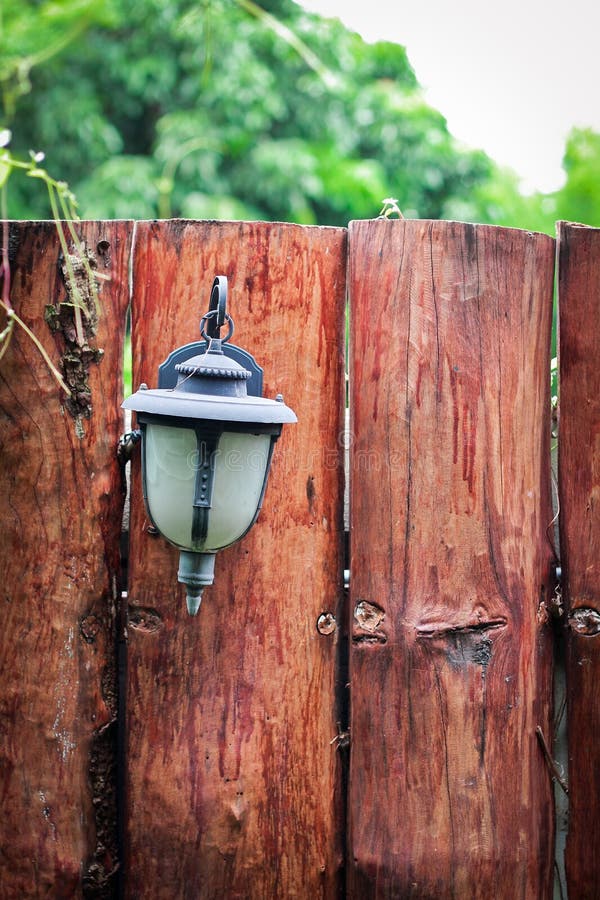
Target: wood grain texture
<point x="451" y="655"/>
<point x="233" y="783"/>
<point x="579" y="491"/>
<point x="60" y="506"/>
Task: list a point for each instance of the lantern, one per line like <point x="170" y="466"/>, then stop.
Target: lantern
<point x="207" y="444"/>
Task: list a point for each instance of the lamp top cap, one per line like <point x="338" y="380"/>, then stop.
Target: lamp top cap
<point x="213" y="364"/>
<point x="211" y="385"/>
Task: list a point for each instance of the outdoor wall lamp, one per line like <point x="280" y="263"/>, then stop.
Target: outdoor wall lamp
<point x="207" y="439"/>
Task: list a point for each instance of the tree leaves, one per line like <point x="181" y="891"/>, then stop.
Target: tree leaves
<point x="269" y="110"/>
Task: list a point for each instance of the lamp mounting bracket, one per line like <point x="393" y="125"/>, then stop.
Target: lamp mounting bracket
<point x="217" y="308"/>
<point x="210" y="325"/>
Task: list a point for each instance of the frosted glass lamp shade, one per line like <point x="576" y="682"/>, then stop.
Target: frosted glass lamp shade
<point x="203" y="488"/>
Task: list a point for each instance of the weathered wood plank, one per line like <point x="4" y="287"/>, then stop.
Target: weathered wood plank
<point x="579" y="490"/>
<point x="450" y="563"/>
<point x="233" y="784"/>
<point x="60" y="506"/>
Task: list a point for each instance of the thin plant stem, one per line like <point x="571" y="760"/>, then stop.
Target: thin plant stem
<point x="5" y="241"/>
<point x="12" y="315"/>
<point x="78" y="303"/>
<point x="69" y="215"/>
<point x="550" y="762"/>
<point x="61" y="201"/>
<point x="6" y="334"/>
<point x="302" y="49"/>
<point x="168" y="174"/>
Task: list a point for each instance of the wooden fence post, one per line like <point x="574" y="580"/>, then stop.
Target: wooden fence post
<point x="233" y="774"/>
<point x="60" y="504"/>
<point x="450" y="561"/>
<point x="579" y="492"/>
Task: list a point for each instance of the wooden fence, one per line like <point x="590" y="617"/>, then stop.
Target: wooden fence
<point x="406" y="749"/>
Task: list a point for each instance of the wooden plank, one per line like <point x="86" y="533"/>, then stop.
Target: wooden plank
<point x="579" y="489"/>
<point x="450" y="564"/>
<point x="233" y="783"/>
<point x="60" y="505"/>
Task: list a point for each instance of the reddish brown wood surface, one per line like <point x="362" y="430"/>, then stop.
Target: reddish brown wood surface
<point x="451" y="657"/>
<point x="60" y="503"/>
<point x="579" y="484"/>
<point x="233" y="782"/>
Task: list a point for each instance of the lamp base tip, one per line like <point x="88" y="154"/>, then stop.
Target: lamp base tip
<point x="193" y="602"/>
<point x="196" y="571"/>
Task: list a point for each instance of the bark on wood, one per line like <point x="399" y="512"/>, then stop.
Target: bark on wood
<point x="579" y="488"/>
<point x="233" y="787"/>
<point x="60" y="503"/>
<point x="451" y="656"/>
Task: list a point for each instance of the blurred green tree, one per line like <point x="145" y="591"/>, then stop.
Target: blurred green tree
<point x="579" y="199"/>
<point x="33" y="32"/>
<point x="231" y="109"/>
<point x="216" y="109"/>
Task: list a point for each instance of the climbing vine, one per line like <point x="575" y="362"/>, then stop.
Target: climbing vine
<point x="80" y="279"/>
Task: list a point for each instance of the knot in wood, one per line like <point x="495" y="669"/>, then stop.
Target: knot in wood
<point x="368" y="619"/>
<point x="89" y="628"/>
<point x="368" y="615"/>
<point x="144" y="619"/>
<point x="326" y="623"/>
<point x="585" y="621"/>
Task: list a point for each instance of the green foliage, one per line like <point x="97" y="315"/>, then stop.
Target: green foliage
<point x="230" y="109"/>
<point x="498" y="200"/>
<point x="33" y="32"/>
<point x="579" y="199"/>
<point x="216" y="109"/>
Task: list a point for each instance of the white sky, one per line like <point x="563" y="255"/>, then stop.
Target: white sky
<point x="511" y="77"/>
